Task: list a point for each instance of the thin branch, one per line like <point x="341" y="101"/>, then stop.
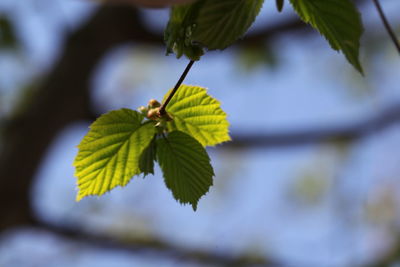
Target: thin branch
<point x="152" y="245"/>
<point x="387" y="25"/>
<point x="343" y="131"/>
<point x="177" y="85"/>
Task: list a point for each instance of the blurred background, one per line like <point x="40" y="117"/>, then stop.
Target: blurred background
<point x="311" y="177"/>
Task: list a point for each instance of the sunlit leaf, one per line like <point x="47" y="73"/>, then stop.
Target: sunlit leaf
<point x="109" y="154"/>
<point x="199" y="115"/>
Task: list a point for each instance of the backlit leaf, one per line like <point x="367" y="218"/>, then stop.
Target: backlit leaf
<point x="109" y="154"/>
<point x="199" y="115"/>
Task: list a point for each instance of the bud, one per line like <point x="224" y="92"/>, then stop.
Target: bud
<point x="143" y="110"/>
<point x="154" y="103"/>
<point x="153" y="113"/>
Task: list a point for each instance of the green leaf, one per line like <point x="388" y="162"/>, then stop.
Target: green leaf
<point x="210" y="24"/>
<point x="199" y="115"/>
<point x="186" y="167"/>
<point x="178" y="32"/>
<point x="337" y="20"/>
<point x="220" y="23"/>
<point x="146" y="161"/>
<point x="109" y="154"/>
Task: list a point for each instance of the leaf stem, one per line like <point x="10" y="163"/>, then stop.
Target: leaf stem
<point x="178" y="84"/>
<point x="387" y="25"/>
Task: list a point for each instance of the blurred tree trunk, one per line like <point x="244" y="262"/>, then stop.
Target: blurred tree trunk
<point x="61" y="99"/>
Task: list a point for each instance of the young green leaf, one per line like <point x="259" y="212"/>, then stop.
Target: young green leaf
<point x="186" y="167"/>
<point x="109" y="154"/>
<point x="337" y="20"/>
<point x="199" y="115"/>
<point x="210" y="24"/>
<point x="146" y="161"/>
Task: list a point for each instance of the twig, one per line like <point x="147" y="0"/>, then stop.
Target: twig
<point x="387" y="25"/>
<point x="178" y="84"/>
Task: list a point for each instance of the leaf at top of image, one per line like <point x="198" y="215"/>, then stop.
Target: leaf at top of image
<point x="209" y="24"/>
<point x="338" y="21"/>
<point x="198" y="114"/>
<point x="109" y="154"/>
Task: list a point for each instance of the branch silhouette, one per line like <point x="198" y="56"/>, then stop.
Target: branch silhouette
<point x="342" y="131"/>
<point x="154" y="245"/>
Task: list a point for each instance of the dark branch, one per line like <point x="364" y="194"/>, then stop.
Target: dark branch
<point x="386" y="24"/>
<point x="162" y="248"/>
<point x="343" y="131"/>
<point x="177" y="85"/>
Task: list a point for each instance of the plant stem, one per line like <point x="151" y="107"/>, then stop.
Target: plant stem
<point x="178" y="84"/>
<point x="387" y="25"/>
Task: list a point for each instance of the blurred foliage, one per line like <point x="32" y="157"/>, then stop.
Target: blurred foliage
<point x="382" y="205"/>
<point x="255" y="56"/>
<point x="317" y="178"/>
<point x="341" y="145"/>
<point x="311" y="187"/>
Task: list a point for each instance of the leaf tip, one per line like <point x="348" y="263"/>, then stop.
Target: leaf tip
<point x="194" y="206"/>
<point x="79" y="197"/>
<point x="145" y="174"/>
<point x="359" y="68"/>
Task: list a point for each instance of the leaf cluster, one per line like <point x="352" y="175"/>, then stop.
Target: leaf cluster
<point x="124" y="143"/>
